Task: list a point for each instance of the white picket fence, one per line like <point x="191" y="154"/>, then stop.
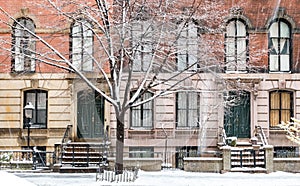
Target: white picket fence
<point x="110" y="176"/>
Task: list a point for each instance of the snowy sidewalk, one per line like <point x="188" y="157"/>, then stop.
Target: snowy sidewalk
<point x="8" y="179"/>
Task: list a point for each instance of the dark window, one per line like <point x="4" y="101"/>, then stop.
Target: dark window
<point x="279" y="46"/>
<point x="236" y="46"/>
<point x="82" y="45"/>
<point x="39" y="99"/>
<point x="141" y="152"/>
<point x="142" y="115"/>
<point x="23" y="48"/>
<point x="281" y="107"/>
<point x="187" y="109"/>
<point x="187" y="45"/>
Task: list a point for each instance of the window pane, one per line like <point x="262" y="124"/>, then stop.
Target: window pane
<point x="285" y="100"/>
<point x="274" y="118"/>
<point x="192" y="117"/>
<point x="182" y="100"/>
<point x="136" y="118"/>
<point x="181" y="118"/>
<point x="274" y="63"/>
<point x="274" y="30"/>
<point x="147" y="118"/>
<point x="285" y="116"/>
<point x="284" y="30"/>
<point x="41" y="102"/>
<point x="230" y="29"/>
<point x="284" y="46"/>
<point x="284" y="63"/>
<point x="275" y="100"/>
<point x="241" y="28"/>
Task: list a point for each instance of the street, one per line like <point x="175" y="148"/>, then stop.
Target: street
<point x="169" y="177"/>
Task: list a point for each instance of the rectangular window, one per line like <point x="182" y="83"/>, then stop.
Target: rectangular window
<point x="141" y="152"/>
<point x="188" y="109"/>
<point x="38" y="99"/>
<point x="142" y="115"/>
<point x="281" y="107"/>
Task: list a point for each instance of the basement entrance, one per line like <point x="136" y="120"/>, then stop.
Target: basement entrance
<point x="90" y="114"/>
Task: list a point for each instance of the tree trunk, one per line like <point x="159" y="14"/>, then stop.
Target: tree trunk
<point x="119" y="146"/>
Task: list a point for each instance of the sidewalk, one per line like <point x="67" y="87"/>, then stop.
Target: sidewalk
<point x="8" y="179"/>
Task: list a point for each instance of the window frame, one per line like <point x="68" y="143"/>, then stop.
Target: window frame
<point x="188" y="40"/>
<point x="141" y="152"/>
<point x="239" y="65"/>
<point x="36" y="117"/>
<point x="280" y="110"/>
<point x="22" y="62"/>
<point x="141" y="112"/>
<point x="82" y="39"/>
<point x="141" y="39"/>
<point x="186" y="110"/>
<point x="279" y="38"/>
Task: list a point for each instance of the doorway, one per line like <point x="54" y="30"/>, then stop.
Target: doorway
<point x="237" y="117"/>
<point x="90" y="114"/>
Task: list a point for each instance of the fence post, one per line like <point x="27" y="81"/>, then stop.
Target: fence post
<point x="226" y="158"/>
<point x="34" y="158"/>
<point x="269" y="156"/>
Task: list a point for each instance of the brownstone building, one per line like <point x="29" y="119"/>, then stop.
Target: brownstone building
<point x="258" y="71"/>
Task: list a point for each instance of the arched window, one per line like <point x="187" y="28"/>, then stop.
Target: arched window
<point x="82" y="45"/>
<point x="236" y="45"/>
<point x="142" y="44"/>
<point x="187" y="46"/>
<point x="39" y="99"/>
<point x="142" y="115"/>
<point x="279" y="46"/>
<point x="23" y="45"/>
<point x="281" y="107"/>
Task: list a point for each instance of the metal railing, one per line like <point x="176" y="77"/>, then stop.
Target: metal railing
<point x="25" y="159"/>
<point x="248" y="158"/>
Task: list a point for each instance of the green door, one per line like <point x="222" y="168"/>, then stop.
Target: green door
<point x="237" y="117"/>
<point x="90" y="115"/>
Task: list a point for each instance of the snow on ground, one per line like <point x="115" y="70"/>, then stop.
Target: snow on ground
<point x="160" y="178"/>
<point x="8" y="179"/>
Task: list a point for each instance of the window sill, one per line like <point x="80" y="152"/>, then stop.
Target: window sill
<point x="236" y="72"/>
<point x="140" y="129"/>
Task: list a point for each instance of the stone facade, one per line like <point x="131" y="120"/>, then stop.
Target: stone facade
<point x="168" y="141"/>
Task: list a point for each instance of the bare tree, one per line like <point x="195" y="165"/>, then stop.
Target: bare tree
<point x="292" y="130"/>
<point x="145" y="45"/>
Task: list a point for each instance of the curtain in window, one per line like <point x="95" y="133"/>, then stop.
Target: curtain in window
<point x="142" y="115"/>
<point x="38" y="98"/>
<point x="187" y="46"/>
<point x="188" y="109"/>
<point x="82" y="45"/>
<point x="279" y="46"/>
<point x="280" y="107"/>
<point x="24" y="45"/>
<point x="142" y="42"/>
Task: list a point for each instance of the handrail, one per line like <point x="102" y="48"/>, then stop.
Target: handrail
<point x="65" y="139"/>
<point x="259" y="130"/>
<point x="66" y="134"/>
